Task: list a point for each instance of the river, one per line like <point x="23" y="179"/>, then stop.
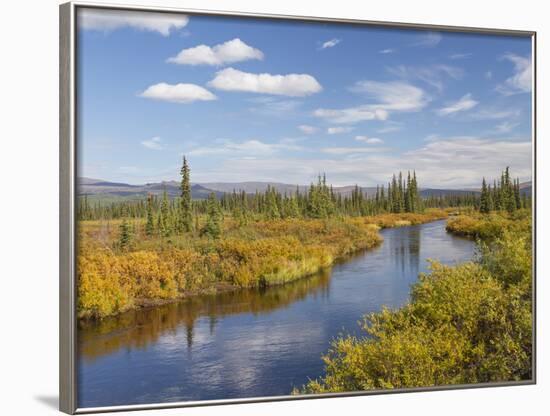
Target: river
<point x="252" y="343"/>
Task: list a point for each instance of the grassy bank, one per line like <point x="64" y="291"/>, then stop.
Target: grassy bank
<point x="465" y="324"/>
<point x="490" y="226"/>
<point x="263" y="253"/>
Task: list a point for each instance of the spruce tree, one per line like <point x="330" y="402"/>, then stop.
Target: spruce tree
<point x="125" y="235"/>
<point x="213" y="226"/>
<point x="150" y="225"/>
<point x="164" y="220"/>
<point x="185" y="218"/>
<point x="272" y="208"/>
<point x="484" y="199"/>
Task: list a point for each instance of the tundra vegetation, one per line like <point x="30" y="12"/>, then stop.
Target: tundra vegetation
<point x="469" y="323"/>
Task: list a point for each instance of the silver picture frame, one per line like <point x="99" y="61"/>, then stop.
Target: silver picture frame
<point x="68" y="51"/>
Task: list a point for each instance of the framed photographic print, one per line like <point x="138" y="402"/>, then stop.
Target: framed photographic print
<point x="260" y="207"/>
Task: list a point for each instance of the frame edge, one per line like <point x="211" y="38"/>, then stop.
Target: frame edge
<point x="67" y="359"/>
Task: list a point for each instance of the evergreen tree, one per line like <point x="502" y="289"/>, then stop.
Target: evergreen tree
<point x="213" y="226"/>
<point x="484" y="199"/>
<point x="272" y="208"/>
<point x="185" y="220"/>
<point x="125" y="235"/>
<point x="150" y="225"/>
<point x="164" y="220"/>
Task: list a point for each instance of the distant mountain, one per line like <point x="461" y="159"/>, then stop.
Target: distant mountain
<point x="283" y="188"/>
<point x="102" y="189"/>
<point x="526" y="188"/>
<point x="114" y="190"/>
<point x="429" y="192"/>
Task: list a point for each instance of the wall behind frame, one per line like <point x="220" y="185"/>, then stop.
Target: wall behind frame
<point x="29" y="169"/>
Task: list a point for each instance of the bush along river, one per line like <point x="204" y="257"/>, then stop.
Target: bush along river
<point x="252" y="343"/>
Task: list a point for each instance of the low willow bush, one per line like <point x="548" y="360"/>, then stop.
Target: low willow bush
<point x="470" y="323"/>
<point x="152" y="270"/>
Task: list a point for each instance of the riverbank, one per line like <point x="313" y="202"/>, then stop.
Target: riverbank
<point x="465" y="324"/>
<point x="264" y="253"/>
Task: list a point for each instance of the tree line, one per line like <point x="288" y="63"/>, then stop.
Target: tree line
<point x="166" y="217"/>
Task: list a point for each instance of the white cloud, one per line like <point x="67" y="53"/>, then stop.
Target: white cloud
<point x="109" y="20"/>
<point x="339" y="130"/>
<point x="488" y="75"/>
<point x="464" y="104"/>
<point x="155" y="143"/>
<point x="521" y="81"/>
<point x="506" y="126"/>
<point x="330" y="43"/>
<point x="352" y="114"/>
<point x="386" y="51"/>
<point x="395" y="95"/>
<point x="350" y="150"/>
<point x="388" y="97"/>
<point x="455" y="56"/>
<point x="369" y="140"/>
<point x="433" y="75"/>
<point x="225" y="53"/>
<point x="294" y="85"/>
<point x="178" y="93"/>
<point x="249" y="148"/>
<point x="489" y="113"/>
<point x="389" y="128"/>
<point x="307" y="129"/>
<point x="428" y="39"/>
<point x="452" y="162"/>
<point x="276" y="107"/>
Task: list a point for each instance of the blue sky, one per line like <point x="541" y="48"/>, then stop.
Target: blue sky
<point x="272" y="100"/>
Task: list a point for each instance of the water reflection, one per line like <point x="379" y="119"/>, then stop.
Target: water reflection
<point x="252" y="343"/>
<point x="137" y="329"/>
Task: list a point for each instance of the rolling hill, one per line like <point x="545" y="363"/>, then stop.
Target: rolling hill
<point x="112" y="191"/>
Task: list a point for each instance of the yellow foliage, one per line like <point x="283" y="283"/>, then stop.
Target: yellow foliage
<point x="264" y="253"/>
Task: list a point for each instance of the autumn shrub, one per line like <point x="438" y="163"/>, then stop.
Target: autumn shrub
<point x="262" y="253"/>
<point x="471" y="323"/>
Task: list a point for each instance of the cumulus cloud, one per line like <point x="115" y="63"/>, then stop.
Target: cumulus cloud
<point x="294" y="85"/>
<point x="388" y="97"/>
<point x="225" y="53"/>
<point x="105" y="20"/>
<point x="521" y="81"/>
<point x="339" y="130"/>
<point x="307" y="129"/>
<point x="330" y="43"/>
<point x="464" y="104"/>
<point x="155" y="143"/>
<point x="178" y="93"/>
<point x="428" y="40"/>
<point x="386" y="51"/>
<point x="369" y="140"/>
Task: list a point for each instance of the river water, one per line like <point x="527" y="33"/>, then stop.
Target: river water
<point x="252" y="343"/>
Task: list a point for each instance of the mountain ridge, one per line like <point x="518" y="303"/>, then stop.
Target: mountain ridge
<point x="201" y="190"/>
